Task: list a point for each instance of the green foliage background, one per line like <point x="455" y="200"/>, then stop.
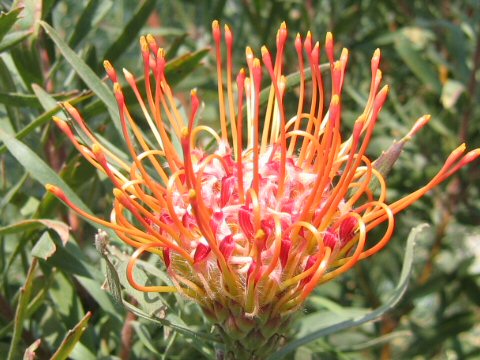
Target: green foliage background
<point x="52" y="277"/>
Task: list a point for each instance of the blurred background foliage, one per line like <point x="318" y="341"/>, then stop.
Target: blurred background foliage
<point x="52" y="278"/>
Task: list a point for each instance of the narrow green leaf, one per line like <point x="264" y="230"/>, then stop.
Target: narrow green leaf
<point x="113" y="281"/>
<point x="177" y="69"/>
<point x="13" y="38"/>
<point x="381" y="340"/>
<point x="84" y="23"/>
<point x="415" y="60"/>
<point x="174" y="46"/>
<point x="24" y="298"/>
<point x="8" y="196"/>
<point x="44" y="247"/>
<point x="31" y="14"/>
<point x="87" y="75"/>
<point x="38" y="169"/>
<point x="131" y="30"/>
<point x="7" y="20"/>
<point x="47" y="101"/>
<point x="144" y="337"/>
<point x="375" y="314"/>
<point x="8" y="84"/>
<point x="59" y="227"/>
<point x="71" y="339"/>
<point x="28" y="63"/>
<point x="18" y="100"/>
<point x="322" y="319"/>
<point x="70" y="260"/>
<point x="166" y="322"/>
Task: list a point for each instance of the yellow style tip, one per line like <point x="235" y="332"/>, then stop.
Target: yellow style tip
<point x="107" y="65"/>
<point x="50" y="188"/>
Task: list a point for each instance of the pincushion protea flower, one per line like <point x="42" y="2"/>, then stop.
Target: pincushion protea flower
<point x="281" y="204"/>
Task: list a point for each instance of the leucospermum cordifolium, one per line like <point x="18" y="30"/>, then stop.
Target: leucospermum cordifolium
<point x="281" y="203"/>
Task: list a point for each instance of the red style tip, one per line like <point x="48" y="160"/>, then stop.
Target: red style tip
<point x="470" y="156"/>
<point x="419" y="124"/>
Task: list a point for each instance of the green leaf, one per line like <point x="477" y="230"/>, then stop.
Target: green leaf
<point x="172" y="324"/>
<point x="18" y="99"/>
<point x="381" y="340"/>
<point x="84" y="23"/>
<point x="47" y="101"/>
<point x="38" y="169"/>
<point x="13" y="38"/>
<point x="144" y="337"/>
<point x="31" y="14"/>
<point x="8" y="196"/>
<point x="87" y="75"/>
<point x="322" y="319"/>
<point x="174" y="46"/>
<point x="130" y="30"/>
<point x="151" y="303"/>
<point x="177" y="69"/>
<point x="375" y="314"/>
<point x="8" y="84"/>
<point x="71" y="339"/>
<point x="113" y="281"/>
<point x="24" y="298"/>
<point x="71" y="260"/>
<point x="428" y="341"/>
<point x="59" y="227"/>
<point x="417" y="63"/>
<point x="7" y="20"/>
<point x="44" y="247"/>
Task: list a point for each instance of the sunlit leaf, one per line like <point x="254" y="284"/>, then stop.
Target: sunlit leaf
<point x="7" y="20"/>
<point x="44" y="247"/>
<point x="71" y="339"/>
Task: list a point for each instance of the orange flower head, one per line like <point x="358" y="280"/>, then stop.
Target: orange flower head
<point x="280" y="204"/>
